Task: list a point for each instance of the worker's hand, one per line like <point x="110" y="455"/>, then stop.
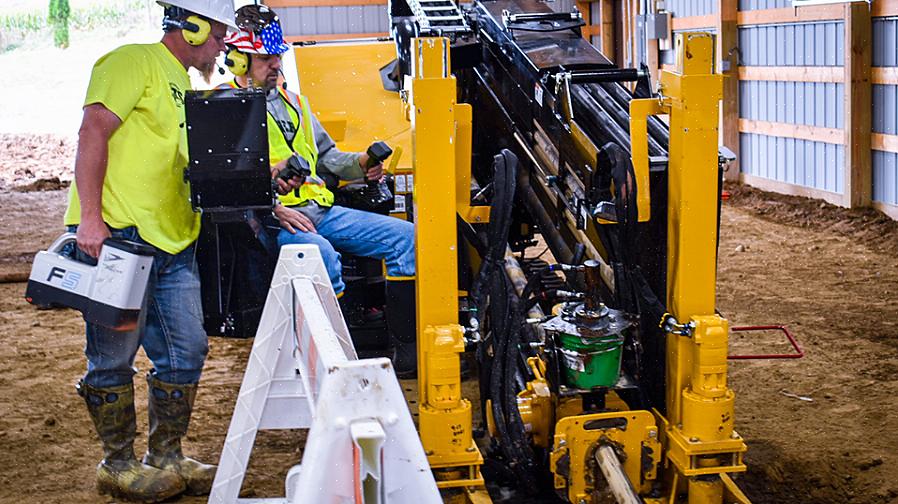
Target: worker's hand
<point x="284" y="187"/>
<point x="375" y="173"/>
<point x="91" y="235"/>
<point x="291" y="220"/>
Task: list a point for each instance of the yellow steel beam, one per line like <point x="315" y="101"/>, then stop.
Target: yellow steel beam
<point x="444" y="415"/>
<point x="701" y="442"/>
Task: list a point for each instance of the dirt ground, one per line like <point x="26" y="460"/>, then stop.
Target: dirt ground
<point x="820" y="429"/>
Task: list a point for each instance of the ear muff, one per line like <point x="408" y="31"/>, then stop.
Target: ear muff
<point x="237" y="62"/>
<point x="195" y="30"/>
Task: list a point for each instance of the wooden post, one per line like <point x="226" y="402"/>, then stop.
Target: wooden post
<point x="727" y="43"/>
<point x="858" y="105"/>
<point x="606" y="13"/>
<point x="585" y="11"/>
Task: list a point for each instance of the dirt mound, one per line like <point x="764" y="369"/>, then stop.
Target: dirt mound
<point x="25" y="160"/>
<point x="864" y="225"/>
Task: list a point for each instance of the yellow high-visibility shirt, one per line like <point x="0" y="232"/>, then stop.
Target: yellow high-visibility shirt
<point x="144" y="85"/>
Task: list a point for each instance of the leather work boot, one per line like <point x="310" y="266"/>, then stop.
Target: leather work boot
<point x="400" y="315"/>
<point x="119" y="474"/>
<point x="169" y="411"/>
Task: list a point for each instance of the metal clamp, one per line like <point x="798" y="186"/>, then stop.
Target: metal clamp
<point x="669" y="324"/>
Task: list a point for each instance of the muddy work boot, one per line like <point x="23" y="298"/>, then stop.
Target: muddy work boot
<point x="120" y="474"/>
<point x="400" y="316"/>
<point x="169" y="410"/>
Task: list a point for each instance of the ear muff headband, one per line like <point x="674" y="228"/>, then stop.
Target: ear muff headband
<point x="195" y="30"/>
<point x="237" y="62"/>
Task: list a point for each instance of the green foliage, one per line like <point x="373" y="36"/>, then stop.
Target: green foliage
<point x="59" y="18"/>
<point x="59" y="11"/>
<point x="18" y="26"/>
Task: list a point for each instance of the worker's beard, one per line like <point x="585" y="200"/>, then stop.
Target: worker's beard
<point x="206" y="71"/>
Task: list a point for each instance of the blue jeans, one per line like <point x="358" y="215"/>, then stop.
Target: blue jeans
<point x="363" y="234"/>
<point x="170" y="328"/>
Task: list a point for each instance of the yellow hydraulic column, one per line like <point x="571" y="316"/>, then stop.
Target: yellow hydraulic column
<point x="700" y="407"/>
<point x="444" y="416"/>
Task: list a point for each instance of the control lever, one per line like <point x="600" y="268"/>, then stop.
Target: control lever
<point x="377" y="192"/>
<point x="297" y="166"/>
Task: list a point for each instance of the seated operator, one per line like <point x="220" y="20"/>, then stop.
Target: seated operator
<point x="307" y="214"/>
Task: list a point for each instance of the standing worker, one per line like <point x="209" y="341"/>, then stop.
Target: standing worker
<point x="308" y="214"/>
<point x="129" y="183"/>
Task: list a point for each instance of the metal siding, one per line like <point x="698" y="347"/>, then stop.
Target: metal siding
<point x="840" y="105"/>
<point x="830" y="121"/>
<point x="819" y="166"/>
<point x="790" y="160"/>
<point x="885" y="109"/>
<point x="831" y="168"/>
<point x="339" y="17"/>
<point x="840" y="173"/>
<point x="885" y="42"/>
<point x="797" y="44"/>
<point x="819" y="104"/>
<point x="780" y="36"/>
<point x="322" y="22"/>
<point x="780" y="98"/>
<point x="801" y="165"/>
<point x="789" y="104"/>
<point x="809" y="168"/>
<point x="885" y="178"/>
<point x="878" y="193"/>
<point x="781" y="159"/>
<point x="890" y="178"/>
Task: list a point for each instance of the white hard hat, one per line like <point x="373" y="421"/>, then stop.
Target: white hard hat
<point x="216" y="10"/>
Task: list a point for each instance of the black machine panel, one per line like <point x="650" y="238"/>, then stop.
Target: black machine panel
<point x="228" y="144"/>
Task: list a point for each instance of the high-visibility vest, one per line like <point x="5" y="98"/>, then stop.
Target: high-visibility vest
<point x="279" y="149"/>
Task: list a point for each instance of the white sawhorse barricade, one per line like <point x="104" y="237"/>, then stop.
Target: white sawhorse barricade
<point x="303" y="373"/>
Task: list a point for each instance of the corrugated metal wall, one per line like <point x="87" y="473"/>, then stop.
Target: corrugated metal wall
<point x="885" y="111"/>
<point x="684" y="8"/>
<point x="800" y="44"/>
<point x="746" y="5"/>
<point x="808" y="103"/>
<point x="329" y="20"/>
<point x="818" y="165"/>
<point x="334" y="20"/>
<point x="794" y="161"/>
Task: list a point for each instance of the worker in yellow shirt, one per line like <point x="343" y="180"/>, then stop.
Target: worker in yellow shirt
<point x="129" y="183"/>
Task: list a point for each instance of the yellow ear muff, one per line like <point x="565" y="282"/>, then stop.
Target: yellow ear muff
<point x="196" y="30"/>
<point x="237" y="62"/>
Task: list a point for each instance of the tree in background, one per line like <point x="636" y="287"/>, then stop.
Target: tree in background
<point x="59" y="19"/>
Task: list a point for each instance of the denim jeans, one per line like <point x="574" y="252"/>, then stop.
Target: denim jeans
<point x="170" y="328"/>
<point x="359" y="233"/>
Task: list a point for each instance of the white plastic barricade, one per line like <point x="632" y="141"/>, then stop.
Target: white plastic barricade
<point x="303" y="373"/>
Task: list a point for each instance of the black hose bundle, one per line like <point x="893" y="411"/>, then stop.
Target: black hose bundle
<point x="500" y="367"/>
<point x="632" y="292"/>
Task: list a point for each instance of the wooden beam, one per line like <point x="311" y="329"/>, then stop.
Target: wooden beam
<point x="791" y="14"/>
<point x="890" y="210"/>
<point x="322" y="3"/>
<point x="800" y="131"/>
<point x="694" y="22"/>
<point x="585" y="11"/>
<point x="790" y="189"/>
<point x="606" y="13"/>
<point x="727" y="63"/>
<point x="795" y="73"/>
<point x="882" y="75"/>
<point x="334" y="36"/>
<point x="881" y="142"/>
<point x="858" y="170"/>
<point x="884" y="8"/>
